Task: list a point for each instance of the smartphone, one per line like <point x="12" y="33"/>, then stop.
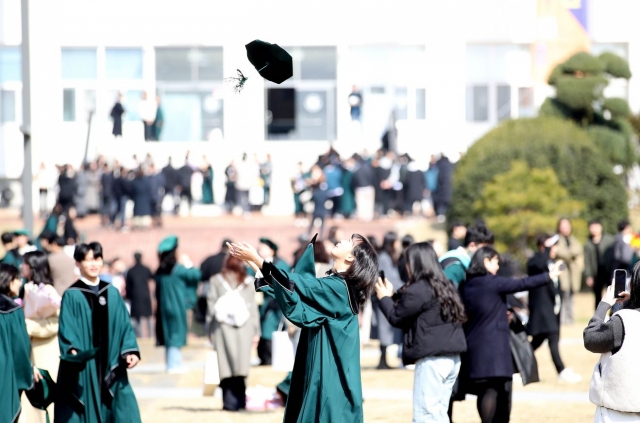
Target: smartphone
<point x="382" y="275"/>
<point x="620" y="281"/>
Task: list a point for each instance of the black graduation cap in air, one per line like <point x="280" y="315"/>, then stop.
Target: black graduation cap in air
<point x="271" y="61"/>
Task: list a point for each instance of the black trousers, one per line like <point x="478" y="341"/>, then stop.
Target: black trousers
<point x="233" y="393"/>
<point x="264" y="352"/>
<point x="494" y="399"/>
<point x="554" y="340"/>
<point x="599" y="283"/>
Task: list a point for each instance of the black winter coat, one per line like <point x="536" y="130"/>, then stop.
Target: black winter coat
<point x="487" y="330"/>
<point x="425" y="333"/>
<point x="542" y="319"/>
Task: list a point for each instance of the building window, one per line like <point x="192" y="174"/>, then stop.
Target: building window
<point x="79" y="63"/>
<point x="10" y="64"/>
<point x="189" y="81"/>
<point x="421" y="104"/>
<point x="69" y="105"/>
<point x="478" y="103"/>
<point x="304" y="107"/>
<point x="503" y="110"/>
<point x="7" y="106"/>
<point x="123" y="63"/>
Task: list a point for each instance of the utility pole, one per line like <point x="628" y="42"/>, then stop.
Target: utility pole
<point x="27" y="172"/>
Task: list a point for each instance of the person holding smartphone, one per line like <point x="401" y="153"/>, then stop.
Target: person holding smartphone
<point x="545" y="303"/>
<point x="616" y="378"/>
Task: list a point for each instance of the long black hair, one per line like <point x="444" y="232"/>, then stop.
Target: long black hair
<point x="167" y="262"/>
<point x="8" y="274"/>
<point x="476" y="268"/>
<point x="424" y="266"/>
<point x="363" y="272"/>
<point x="634" y="287"/>
<point x="39" y="265"/>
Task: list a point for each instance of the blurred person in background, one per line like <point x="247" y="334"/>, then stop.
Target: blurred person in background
<point x="66" y="188"/>
<point x="92" y="195"/>
<point x="364" y="180"/>
<point x="8" y="244"/>
<point x="62" y="266"/>
<point x="185" y="173"/>
<point x="170" y="175"/>
<point x="622" y="251"/>
<point x="545" y="303"/>
<point x="172" y="281"/>
<point x="116" y="115"/>
<point x="158" y="183"/>
<point x="235" y="329"/>
<point x="207" y="181"/>
<point x="158" y="121"/>
<point x="42" y="330"/>
<point x="444" y="188"/>
<point x="598" y="259"/>
<point x="21" y="246"/>
<point x="299" y="185"/>
<point x="247" y="175"/>
<point x="388" y="257"/>
<point x="348" y="200"/>
<point x="456" y="239"/>
<point x="109" y="198"/>
<point x="456" y="262"/>
<point x="147" y="110"/>
<point x="413" y="187"/>
<point x="571" y="252"/>
<point x="231" y="194"/>
<point x="80" y="197"/>
<point x="123" y="191"/>
<point x="46" y="180"/>
<point x="140" y="288"/>
<point x="69" y="233"/>
<point x="431" y="182"/>
<point x="266" y="170"/>
<point x="355" y="103"/>
<point x="142" y="196"/>
<point x="430" y="313"/>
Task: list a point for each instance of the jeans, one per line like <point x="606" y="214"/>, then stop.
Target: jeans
<point x="432" y="384"/>
<point x="174" y="358"/>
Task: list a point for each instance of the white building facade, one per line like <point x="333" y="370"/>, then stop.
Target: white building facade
<point x="449" y="73"/>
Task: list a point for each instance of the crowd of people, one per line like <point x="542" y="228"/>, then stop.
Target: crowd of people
<point x="370" y="187"/>
<point x="454" y="315"/>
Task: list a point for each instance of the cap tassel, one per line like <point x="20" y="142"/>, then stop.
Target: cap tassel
<point x="240" y="80"/>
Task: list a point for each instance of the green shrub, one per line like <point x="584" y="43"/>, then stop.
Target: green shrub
<point x="583" y="62"/>
<point x="579" y="93"/>
<point x="548" y="142"/>
<point x="524" y="202"/>
<point x="613" y="143"/>
<point x="614" y="65"/>
<point x="618" y="107"/>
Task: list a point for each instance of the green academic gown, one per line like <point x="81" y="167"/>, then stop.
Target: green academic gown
<point x="173" y="295"/>
<point x="12" y="258"/>
<point x="348" y="199"/>
<point x="270" y="313"/>
<point x="93" y="386"/>
<point x="325" y="385"/>
<point x="207" y="187"/>
<point x="16" y="373"/>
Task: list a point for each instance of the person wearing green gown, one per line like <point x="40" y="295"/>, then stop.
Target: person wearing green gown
<point x="21" y="246"/>
<point x="207" y="183"/>
<point x="173" y="281"/>
<point x="16" y="372"/>
<point x="270" y="313"/>
<point x="348" y="200"/>
<point x="97" y="346"/>
<point x="326" y="383"/>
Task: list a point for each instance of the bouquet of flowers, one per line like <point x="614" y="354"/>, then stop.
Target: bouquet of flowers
<point x="635" y="241"/>
<point x="40" y="301"/>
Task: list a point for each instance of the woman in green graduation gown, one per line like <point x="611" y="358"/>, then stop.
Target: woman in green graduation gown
<point x="348" y="200"/>
<point x="325" y="385"/>
<point x="16" y="373"/>
<point x="207" y="183"/>
<point x="173" y="282"/>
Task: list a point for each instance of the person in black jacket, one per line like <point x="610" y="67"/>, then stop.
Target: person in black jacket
<point x="140" y="284"/>
<point x="544" y="306"/>
<point x="488" y="357"/>
<point x="108" y="196"/>
<point x="431" y="315"/>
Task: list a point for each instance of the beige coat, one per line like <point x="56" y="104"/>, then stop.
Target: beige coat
<point x="573" y="256"/>
<point x="232" y="344"/>
<point x="45" y="354"/>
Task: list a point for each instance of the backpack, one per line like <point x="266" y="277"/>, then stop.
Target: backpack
<point x="231" y="308"/>
<point x="450" y="261"/>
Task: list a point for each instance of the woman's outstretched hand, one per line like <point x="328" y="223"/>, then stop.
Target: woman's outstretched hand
<point x="245" y="252"/>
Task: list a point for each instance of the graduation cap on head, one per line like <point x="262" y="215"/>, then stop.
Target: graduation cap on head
<point x="270" y="244"/>
<point x="271" y="61"/>
<point x="43" y="393"/>
<point x="22" y="232"/>
<point x="168" y="244"/>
